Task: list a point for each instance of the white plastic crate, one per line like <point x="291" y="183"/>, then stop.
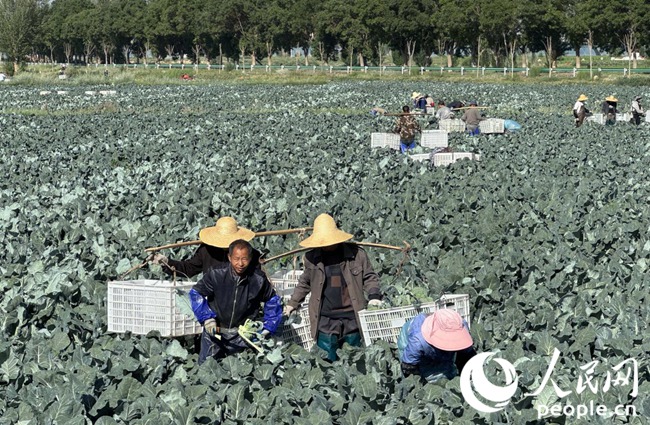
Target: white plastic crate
<point x="384" y="140"/>
<point x="298" y="333"/>
<point x="492" y="125"/>
<point x="450" y="125"/>
<point x="431" y="110"/>
<point x="647" y="117"/>
<point x="441" y="159"/>
<point x="626" y="116"/>
<point x="285" y="279"/>
<point x="142" y="306"/>
<point x="434" y="139"/>
<point x="386" y="324"/>
<point x="597" y="118"/>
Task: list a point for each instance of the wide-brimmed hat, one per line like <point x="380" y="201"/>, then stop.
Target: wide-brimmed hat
<point x="224" y="232"/>
<point x="416" y="95"/>
<point x="611" y="99"/>
<point x="582" y="97"/>
<point x="444" y="330"/>
<point x="325" y="233"/>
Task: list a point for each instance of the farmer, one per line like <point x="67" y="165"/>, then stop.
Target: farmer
<point x="337" y="274"/>
<point x="226" y="297"/>
<point x="443" y="112"/>
<point x="637" y="110"/>
<point x="472" y="117"/>
<point x="419" y="101"/>
<point x="213" y="251"/>
<point x="456" y="104"/>
<point x="580" y="111"/>
<point x="435" y="346"/>
<point x="609" y="110"/>
<point x="406" y="127"/>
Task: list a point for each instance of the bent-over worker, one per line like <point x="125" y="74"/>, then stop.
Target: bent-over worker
<point x="610" y="110"/>
<point x="406" y="126"/>
<point x="212" y="252"/>
<point x="336" y="274"/>
<point x="472" y="117"/>
<point x="637" y="110"/>
<point x="580" y="111"/>
<point x="435" y="346"/>
<point x="226" y="297"/>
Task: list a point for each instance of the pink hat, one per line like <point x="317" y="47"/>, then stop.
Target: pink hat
<point x="444" y="330"/>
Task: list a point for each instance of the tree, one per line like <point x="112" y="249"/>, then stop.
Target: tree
<point x="18" y="24"/>
<point x="455" y="22"/>
<point x="410" y="27"/>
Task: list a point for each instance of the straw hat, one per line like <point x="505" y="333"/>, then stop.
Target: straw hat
<point x="582" y="97"/>
<point x="416" y="94"/>
<point x="325" y="233"/>
<point x="224" y="233"/>
<point x="611" y="99"/>
<point x="444" y="330"/>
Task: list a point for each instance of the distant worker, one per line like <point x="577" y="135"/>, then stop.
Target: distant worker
<point x="443" y="112"/>
<point x="430" y="102"/>
<point x="406" y="126"/>
<point x="609" y="110"/>
<point x="225" y="298"/>
<point x="435" y="346"/>
<point x="213" y="251"/>
<point x="472" y="118"/>
<point x="419" y="101"/>
<point x="456" y="104"/>
<point x="339" y="276"/>
<point x="580" y="111"/>
<point x="637" y="110"/>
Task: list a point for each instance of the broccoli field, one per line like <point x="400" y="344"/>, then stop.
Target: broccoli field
<point x="549" y="234"/>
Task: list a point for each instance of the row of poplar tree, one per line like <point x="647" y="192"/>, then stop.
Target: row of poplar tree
<point x="359" y="32"/>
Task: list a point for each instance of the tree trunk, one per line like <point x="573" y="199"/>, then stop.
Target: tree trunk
<point x="578" y="61"/>
<point x="362" y="62"/>
<point x="450" y="62"/>
<point x="410" y="48"/>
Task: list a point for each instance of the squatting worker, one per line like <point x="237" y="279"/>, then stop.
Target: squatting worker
<point x="406" y="126"/>
<point x="637" y="110"/>
<point x="337" y="274"/>
<point x="609" y="109"/>
<point x="472" y="117"/>
<point x="226" y="297"/>
<point x="435" y="346"/>
<point x="580" y="111"/>
<point x="213" y="251"/>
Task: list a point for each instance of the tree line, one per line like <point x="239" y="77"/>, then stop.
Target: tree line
<point x="360" y="32"/>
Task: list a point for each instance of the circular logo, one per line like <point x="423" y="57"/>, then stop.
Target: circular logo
<point x="473" y="383"/>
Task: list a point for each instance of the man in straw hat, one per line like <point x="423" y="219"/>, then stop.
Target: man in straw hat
<point x="419" y="101"/>
<point x="213" y="251"/>
<point x="435" y="346"/>
<point x="637" y="110"/>
<point x="226" y="297"/>
<point x="580" y="111"/>
<point x="337" y="274"/>
<point x="610" y="110"/>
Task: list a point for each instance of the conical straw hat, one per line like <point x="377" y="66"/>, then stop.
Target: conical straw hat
<point x="611" y="99"/>
<point x="325" y="233"/>
<point x="582" y="97"/>
<point x="224" y="233"/>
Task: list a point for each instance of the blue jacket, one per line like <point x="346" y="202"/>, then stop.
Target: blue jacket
<point x="218" y="296"/>
<point x="418" y="351"/>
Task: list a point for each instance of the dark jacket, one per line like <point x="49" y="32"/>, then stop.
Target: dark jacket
<point x="206" y="258"/>
<point x="357" y="271"/>
<point x="233" y="303"/>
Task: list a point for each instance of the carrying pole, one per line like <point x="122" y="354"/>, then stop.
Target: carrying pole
<point x="257" y="234"/>
<point x="405" y="248"/>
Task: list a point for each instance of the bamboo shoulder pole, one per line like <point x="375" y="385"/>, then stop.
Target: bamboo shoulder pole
<point x="405" y="248"/>
<point x="257" y="234"/>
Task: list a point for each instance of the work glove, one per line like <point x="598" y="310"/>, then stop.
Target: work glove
<point x="409" y="369"/>
<point x="264" y="333"/>
<point x="288" y="310"/>
<point x="210" y="326"/>
<point x="375" y="303"/>
<point x="157" y="259"/>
